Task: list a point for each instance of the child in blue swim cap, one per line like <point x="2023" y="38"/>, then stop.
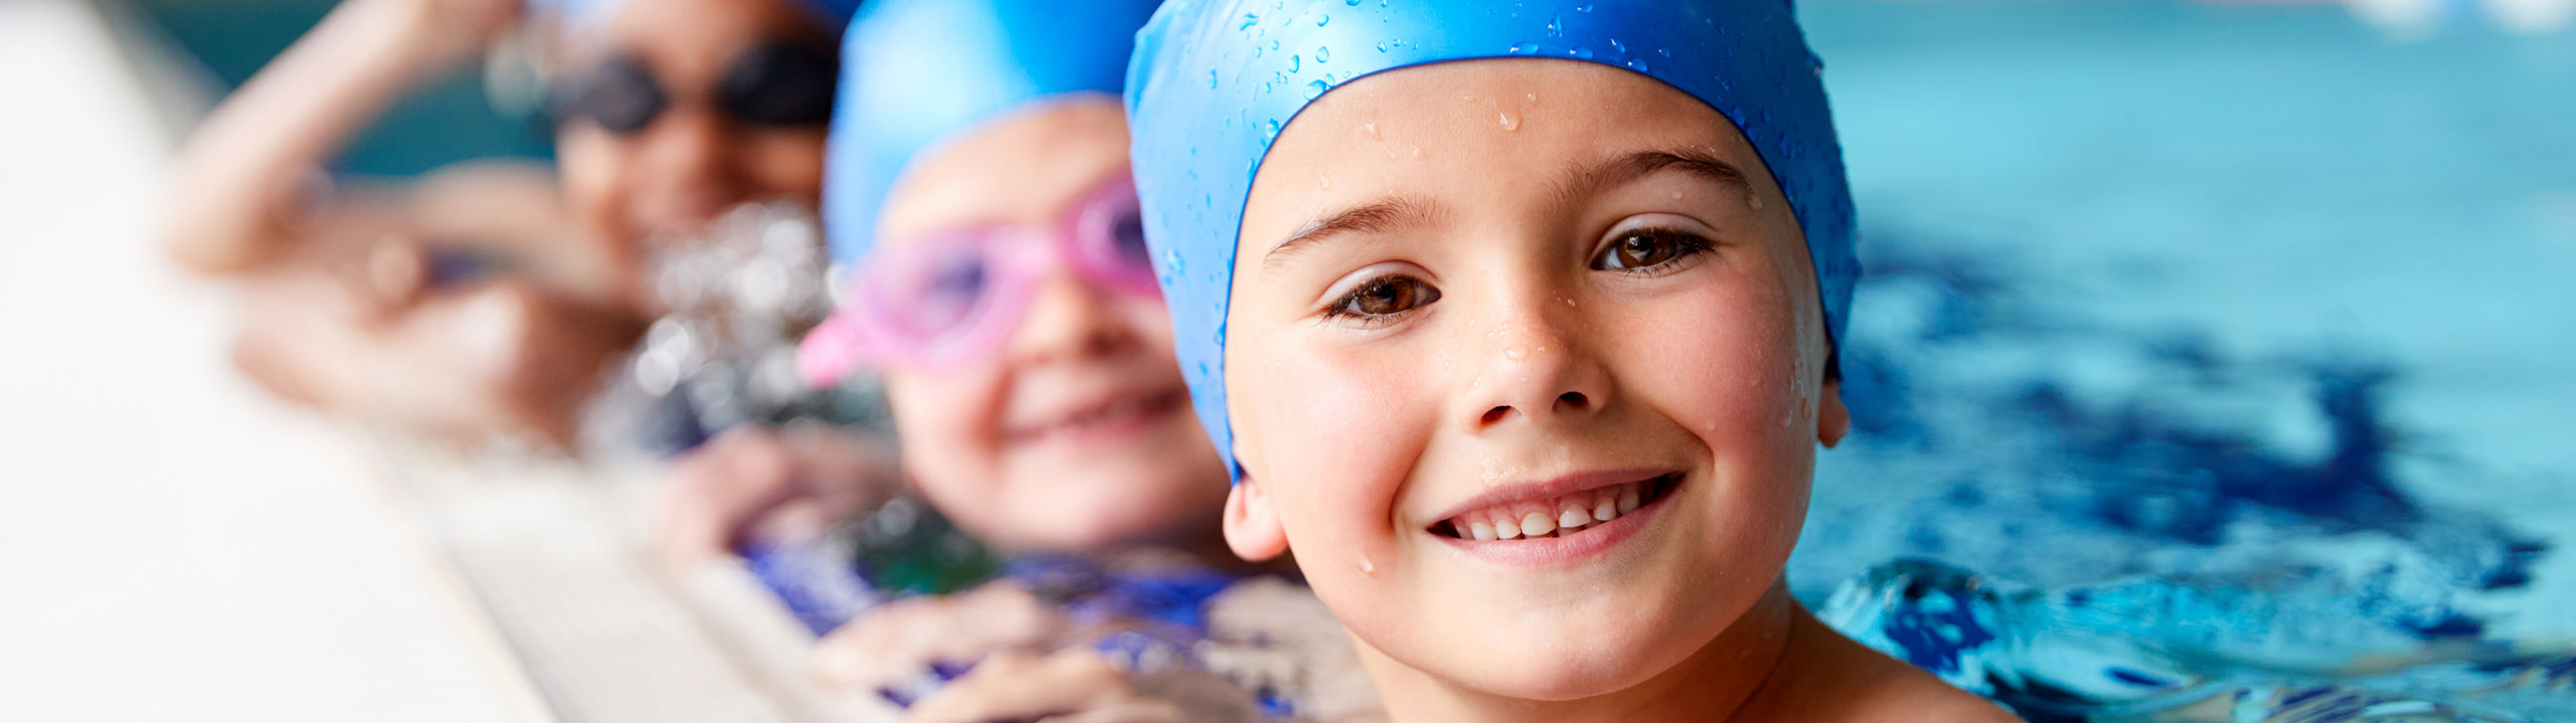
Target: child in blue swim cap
<point x="994" y="277"/>
<point x="1517" y="326"/>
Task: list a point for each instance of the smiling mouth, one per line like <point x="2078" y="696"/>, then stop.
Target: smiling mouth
<point x="1555" y="517"/>
<point x="1105" y="417"/>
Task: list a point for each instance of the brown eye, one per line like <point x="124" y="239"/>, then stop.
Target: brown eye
<point x="1385" y="296"/>
<point x="1647" y="248"/>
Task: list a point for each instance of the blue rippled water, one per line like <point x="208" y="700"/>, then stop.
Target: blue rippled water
<point x="2211" y="361"/>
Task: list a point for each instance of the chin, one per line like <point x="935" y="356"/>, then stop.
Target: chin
<point x="1583" y="666"/>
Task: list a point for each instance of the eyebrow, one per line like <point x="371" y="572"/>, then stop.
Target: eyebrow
<point x="1378" y="216"/>
<point x="1588" y="180"/>
<point x="1402" y="211"/>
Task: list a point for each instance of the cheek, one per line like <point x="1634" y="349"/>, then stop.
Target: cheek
<point x="591" y="165"/>
<point x="1339" y="431"/>
<point x="948" y="424"/>
<point x="1726" y="364"/>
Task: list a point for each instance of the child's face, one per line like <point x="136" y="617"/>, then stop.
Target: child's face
<point x="1517" y="287"/>
<point x="691" y="161"/>
<point x="1076" y="432"/>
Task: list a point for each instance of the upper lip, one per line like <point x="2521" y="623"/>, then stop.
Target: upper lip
<point x="1550" y="488"/>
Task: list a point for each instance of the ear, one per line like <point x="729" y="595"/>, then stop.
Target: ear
<point x="1833" y="420"/>
<point x="1252" y="524"/>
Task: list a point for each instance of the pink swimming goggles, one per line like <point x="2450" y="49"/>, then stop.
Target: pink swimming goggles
<point x="955" y="297"/>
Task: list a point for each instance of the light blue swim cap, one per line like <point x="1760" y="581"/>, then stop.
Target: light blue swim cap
<point x="914" y="72"/>
<point x="1214" y="81"/>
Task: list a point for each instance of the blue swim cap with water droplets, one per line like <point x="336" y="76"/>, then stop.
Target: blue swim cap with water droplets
<point x="1213" y="82"/>
<point x="915" y="72"/>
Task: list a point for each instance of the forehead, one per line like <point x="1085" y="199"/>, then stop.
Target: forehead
<point x="1486" y="137"/>
<point x="1500" y="112"/>
<point x="694" y="36"/>
<point x="1027" y="167"/>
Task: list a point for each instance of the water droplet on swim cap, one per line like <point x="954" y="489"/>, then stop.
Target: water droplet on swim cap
<point x="1323" y="54"/>
<point x="1315" y="89"/>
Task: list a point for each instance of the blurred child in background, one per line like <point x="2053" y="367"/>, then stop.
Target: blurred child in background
<point x="483" y="299"/>
<point x="997" y="280"/>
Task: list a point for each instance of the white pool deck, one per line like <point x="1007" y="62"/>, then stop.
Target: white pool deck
<point x="173" y="546"/>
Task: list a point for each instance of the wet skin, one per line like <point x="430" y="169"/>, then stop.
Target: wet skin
<point x="1511" y="280"/>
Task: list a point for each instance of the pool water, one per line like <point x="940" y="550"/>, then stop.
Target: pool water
<point x="2209" y="361"/>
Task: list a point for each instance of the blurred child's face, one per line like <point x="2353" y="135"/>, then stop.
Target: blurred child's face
<point x="1076" y="433"/>
<point x="693" y="159"/>
<point x="1500" y="298"/>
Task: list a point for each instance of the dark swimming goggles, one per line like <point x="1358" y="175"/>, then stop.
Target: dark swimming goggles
<point x="774" y="84"/>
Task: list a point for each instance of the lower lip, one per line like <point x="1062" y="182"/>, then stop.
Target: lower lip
<point x="1560" y="550"/>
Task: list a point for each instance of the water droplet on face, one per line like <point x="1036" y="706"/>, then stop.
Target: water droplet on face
<point x="1757" y="202"/>
<point x="1516" y="353"/>
<point x="1533" y="97"/>
<point x="1510" y="124"/>
<point x="1569" y="301"/>
<point x="1417" y="151"/>
<point x="1708" y="426"/>
<point x="1324" y="181"/>
<point x="1366" y="567"/>
<point x="1370" y="128"/>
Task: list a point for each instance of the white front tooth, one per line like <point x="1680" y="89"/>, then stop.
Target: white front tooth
<point x="1573" y="518"/>
<point x="1628" y="500"/>
<point x="1480" y="531"/>
<point x="1537" y="523"/>
<point x="1506" y="529"/>
<point x="1605" y="510"/>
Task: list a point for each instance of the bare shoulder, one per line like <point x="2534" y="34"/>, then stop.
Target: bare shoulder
<point x="1841" y="680"/>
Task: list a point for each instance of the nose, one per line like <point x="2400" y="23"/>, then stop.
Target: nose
<point x="687" y="158"/>
<point x="1069" y="318"/>
<point x="1534" y="368"/>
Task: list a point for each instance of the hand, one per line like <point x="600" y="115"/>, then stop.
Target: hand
<point x="749" y="483"/>
<point x="500" y="358"/>
<point x="898" y="642"/>
<point x="1069" y="686"/>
